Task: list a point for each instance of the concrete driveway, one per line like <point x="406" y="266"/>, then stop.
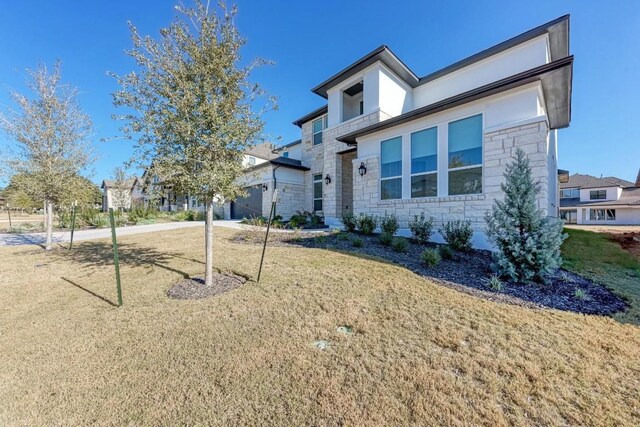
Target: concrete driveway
<point x="102" y="233"/>
<point x="98" y="233"/>
<point x="611" y="229"/>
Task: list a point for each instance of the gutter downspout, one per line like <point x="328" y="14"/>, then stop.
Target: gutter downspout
<point x="275" y="184"/>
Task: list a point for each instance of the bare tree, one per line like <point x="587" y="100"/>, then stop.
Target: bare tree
<point x="193" y="107"/>
<point x="52" y="135"/>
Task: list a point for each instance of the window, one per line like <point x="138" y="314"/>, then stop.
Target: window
<point x="602" y="214"/>
<point x="570" y="193"/>
<point x="318" y="126"/>
<point x="285" y="154"/>
<point x="597" y="194"/>
<point x="361" y="107"/>
<point x="317" y="192"/>
<point x="391" y="168"/>
<point x="251" y="161"/>
<point x="465" y="156"/>
<point x="424" y="163"/>
<point x="569" y="216"/>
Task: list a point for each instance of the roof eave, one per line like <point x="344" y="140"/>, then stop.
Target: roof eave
<point x="382" y="54"/>
<point x="556" y="76"/>
<point x="312" y="115"/>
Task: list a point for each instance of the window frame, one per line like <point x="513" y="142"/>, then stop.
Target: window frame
<point x="251" y="161"/>
<point x="323" y="123"/>
<point x="474" y="166"/>
<point x="571" y="191"/>
<point x="433" y="172"/>
<point x="317" y="178"/>
<point x="387" y="178"/>
<point x="597" y="194"/>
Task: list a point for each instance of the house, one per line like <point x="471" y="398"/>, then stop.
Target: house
<point x="585" y="199"/>
<point x="120" y="196"/>
<point x="387" y="140"/>
<point x="154" y="191"/>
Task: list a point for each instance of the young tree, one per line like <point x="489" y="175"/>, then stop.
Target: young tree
<point x="52" y="133"/>
<point x="192" y="107"/>
<point x="527" y="241"/>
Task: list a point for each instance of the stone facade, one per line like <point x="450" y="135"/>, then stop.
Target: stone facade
<point x="324" y="159"/>
<point x="498" y="150"/>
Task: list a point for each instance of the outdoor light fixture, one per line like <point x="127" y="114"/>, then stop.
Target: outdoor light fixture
<point x="362" y="169"/>
<point x="265" y="187"/>
<point x="327" y="179"/>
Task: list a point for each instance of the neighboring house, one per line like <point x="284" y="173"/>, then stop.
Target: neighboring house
<point x="390" y="141"/>
<point x="585" y="199"/>
<point x="166" y="199"/>
<point x="120" y="198"/>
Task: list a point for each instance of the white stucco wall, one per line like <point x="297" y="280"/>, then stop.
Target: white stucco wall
<point x="512" y="61"/>
<point x="295" y="152"/>
<point x="624" y="216"/>
<point x="396" y="97"/>
<point x="613" y="193"/>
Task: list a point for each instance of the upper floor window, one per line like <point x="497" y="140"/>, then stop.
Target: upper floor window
<point x="285" y="154"/>
<point x="391" y="168"/>
<point x="465" y="156"/>
<point x="570" y="193"/>
<point x="318" y="126"/>
<point x="597" y="194"/>
<point x="424" y="163"/>
<point x="251" y="161"/>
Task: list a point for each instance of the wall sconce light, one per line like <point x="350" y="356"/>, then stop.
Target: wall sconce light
<point x="265" y="187"/>
<point x="327" y="179"/>
<point x="362" y="169"/>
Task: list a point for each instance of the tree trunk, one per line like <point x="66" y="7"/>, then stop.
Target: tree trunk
<point x="48" y="220"/>
<point x="208" y="243"/>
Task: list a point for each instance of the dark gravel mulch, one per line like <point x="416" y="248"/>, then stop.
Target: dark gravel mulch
<point x="468" y="272"/>
<point x="194" y="287"/>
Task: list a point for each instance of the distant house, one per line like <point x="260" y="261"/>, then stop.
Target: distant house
<point x="585" y="199"/>
<point x="166" y="199"/>
<point x="120" y="198"/>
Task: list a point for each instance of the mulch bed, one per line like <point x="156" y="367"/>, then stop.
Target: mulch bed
<point x="467" y="272"/>
<point x="194" y="287"/>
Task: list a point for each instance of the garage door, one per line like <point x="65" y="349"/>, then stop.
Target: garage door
<point x="247" y="207"/>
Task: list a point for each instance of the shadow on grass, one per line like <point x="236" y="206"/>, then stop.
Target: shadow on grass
<point x="89" y="291"/>
<point x="93" y="254"/>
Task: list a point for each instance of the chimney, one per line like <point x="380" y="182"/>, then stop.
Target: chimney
<point x="638" y="180"/>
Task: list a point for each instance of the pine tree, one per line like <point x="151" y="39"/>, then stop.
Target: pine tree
<point x="527" y="241"/>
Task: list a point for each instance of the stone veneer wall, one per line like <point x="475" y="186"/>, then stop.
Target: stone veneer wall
<point x="499" y="150"/>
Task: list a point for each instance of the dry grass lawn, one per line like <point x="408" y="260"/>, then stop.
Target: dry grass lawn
<point x="421" y="353"/>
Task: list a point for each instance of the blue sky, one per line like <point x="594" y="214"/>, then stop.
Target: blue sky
<point x="310" y="41"/>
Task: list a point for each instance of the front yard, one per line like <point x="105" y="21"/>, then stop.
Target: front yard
<point x="413" y="351"/>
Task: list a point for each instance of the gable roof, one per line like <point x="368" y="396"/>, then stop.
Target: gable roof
<point x="589" y="181"/>
<point x="263" y="151"/>
<point x="289" y="145"/>
<point x="555" y="77"/>
<point x="129" y="183"/>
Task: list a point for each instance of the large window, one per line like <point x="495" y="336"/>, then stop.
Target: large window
<point x="569" y="216"/>
<point x="317" y="192"/>
<point x="570" y="193"/>
<point x="424" y="163"/>
<point x="602" y="214"/>
<point x="391" y="168"/>
<point x="318" y="126"/>
<point x="465" y="156"/>
<point x="598" y="194"/>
